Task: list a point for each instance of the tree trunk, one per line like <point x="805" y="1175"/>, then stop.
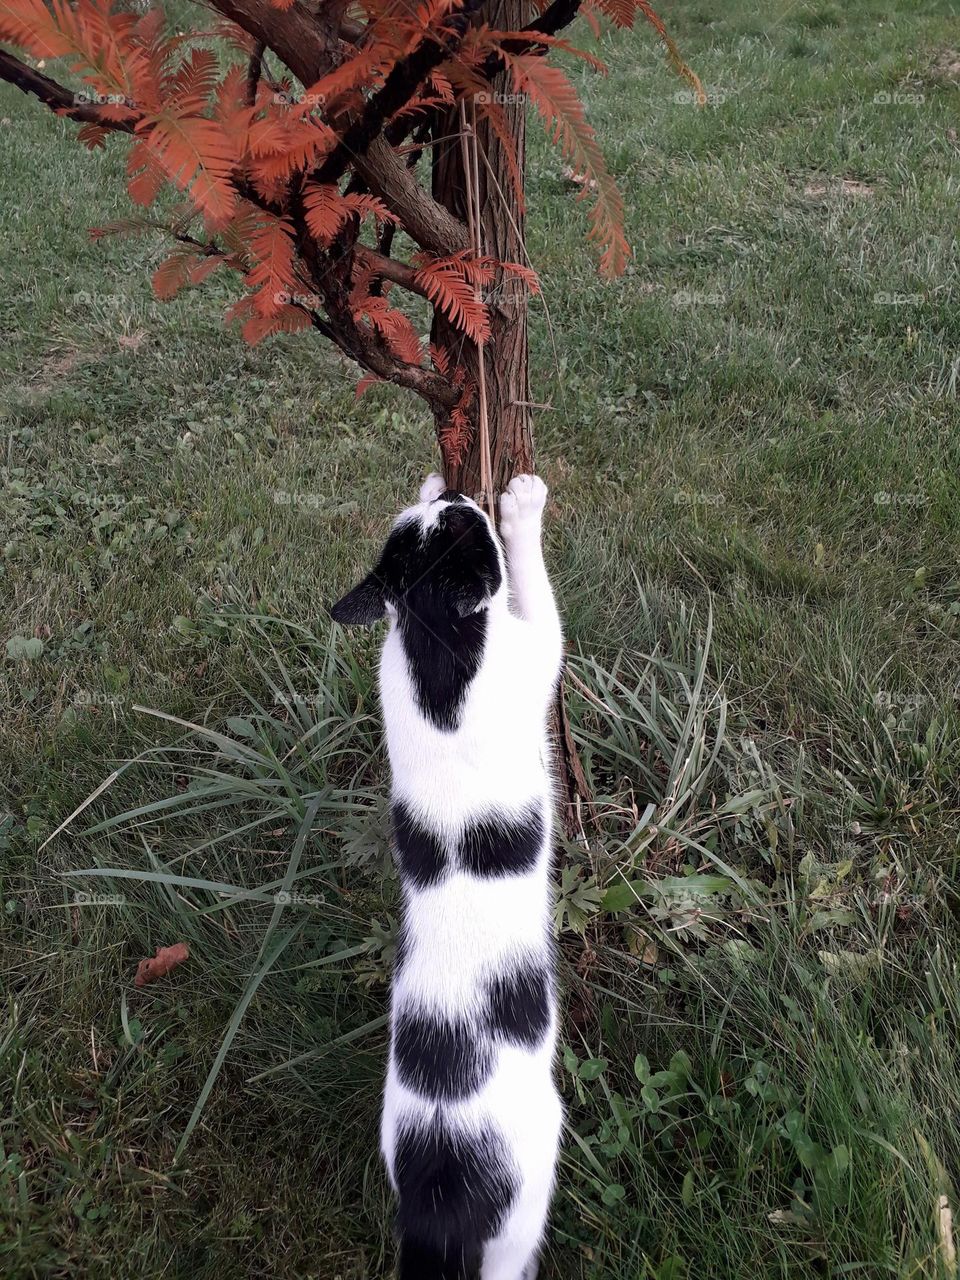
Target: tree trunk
<point x="506" y="353"/>
<point x="501" y="237"/>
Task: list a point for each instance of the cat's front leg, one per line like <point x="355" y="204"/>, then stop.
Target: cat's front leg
<point x="521" y="527"/>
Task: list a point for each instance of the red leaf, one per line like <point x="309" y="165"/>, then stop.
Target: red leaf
<point x="196" y="155"/>
<point x="327" y="209"/>
<point x="394" y="327"/>
<point x="158" y="966"/>
<point x="92" y="136"/>
<point x="173" y="274"/>
<point x="286" y="320"/>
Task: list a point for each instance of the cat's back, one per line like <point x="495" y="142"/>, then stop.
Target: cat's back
<point x="494" y="752"/>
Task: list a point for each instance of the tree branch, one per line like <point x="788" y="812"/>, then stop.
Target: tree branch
<point x="559" y="14"/>
<point x="554" y="18"/>
<point x="55" y="96"/>
<point x="311" y="48"/>
<point x="302" y="39"/>
<point x="400" y="273"/>
<point x="400" y="86"/>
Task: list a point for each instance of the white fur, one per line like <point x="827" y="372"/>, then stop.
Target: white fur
<point x="468" y="928"/>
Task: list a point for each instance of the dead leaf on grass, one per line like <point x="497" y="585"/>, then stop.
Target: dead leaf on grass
<point x="158" y="966"/>
<point x="133" y="341"/>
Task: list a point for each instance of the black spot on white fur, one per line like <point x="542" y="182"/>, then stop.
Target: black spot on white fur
<point x="495" y="845"/>
<point x="443" y="1059"/>
<point x="502" y="845"/>
<point x="454" y="1190"/>
<point x="420" y="852"/>
<point x="402" y="949"/>
<point x="520" y="1004"/>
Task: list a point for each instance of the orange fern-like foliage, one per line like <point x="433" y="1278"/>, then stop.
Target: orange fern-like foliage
<point x="327" y="209"/>
<point x="288" y="318"/>
<point x="100" y="44"/>
<point x="276" y="176"/>
<point x="556" y="101"/>
<point x="185" y="265"/>
<point x="273" y="275"/>
<point x="392" y="325"/>
<point x="458" y="429"/>
<point x="452" y="284"/>
<point x="191" y="149"/>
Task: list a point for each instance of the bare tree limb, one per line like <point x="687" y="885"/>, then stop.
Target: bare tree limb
<point x="390" y="269"/>
<point x="554" y="18"/>
<point x="302" y="39"/>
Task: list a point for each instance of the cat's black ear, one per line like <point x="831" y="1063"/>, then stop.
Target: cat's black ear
<point x="363" y="606"/>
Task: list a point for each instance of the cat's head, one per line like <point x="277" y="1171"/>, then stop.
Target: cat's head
<point x="441" y="560"/>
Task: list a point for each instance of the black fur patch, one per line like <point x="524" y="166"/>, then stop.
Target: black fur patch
<point x="520" y="1005"/>
<point x="402" y="949"/>
<point x="454" y="1193"/>
<point x="448" y="1262"/>
<point x="420" y="852"/>
<point x="438" y="582"/>
<point x="444" y="654"/>
<point x="439" y="1058"/>
<point x="502" y="846"/>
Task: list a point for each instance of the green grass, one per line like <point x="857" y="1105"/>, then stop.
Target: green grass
<point x="754" y="460"/>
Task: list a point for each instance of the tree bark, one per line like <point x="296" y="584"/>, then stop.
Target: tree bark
<point x="501" y="237"/>
<point x="506" y="359"/>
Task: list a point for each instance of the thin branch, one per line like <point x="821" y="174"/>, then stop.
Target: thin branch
<point x="207" y="248"/>
<point x="254" y="72"/>
<point x="387" y="268"/>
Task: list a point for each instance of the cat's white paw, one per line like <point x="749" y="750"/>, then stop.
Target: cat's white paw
<point x="432" y="487"/>
<point x="522" y="503"/>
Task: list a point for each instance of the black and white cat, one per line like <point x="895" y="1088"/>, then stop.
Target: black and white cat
<point x="471" y="1116"/>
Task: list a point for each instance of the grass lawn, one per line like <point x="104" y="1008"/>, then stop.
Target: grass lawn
<point x="755" y="464"/>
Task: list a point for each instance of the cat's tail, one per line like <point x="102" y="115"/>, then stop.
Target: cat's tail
<point x="422" y="1260"/>
<point x="453" y="1189"/>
